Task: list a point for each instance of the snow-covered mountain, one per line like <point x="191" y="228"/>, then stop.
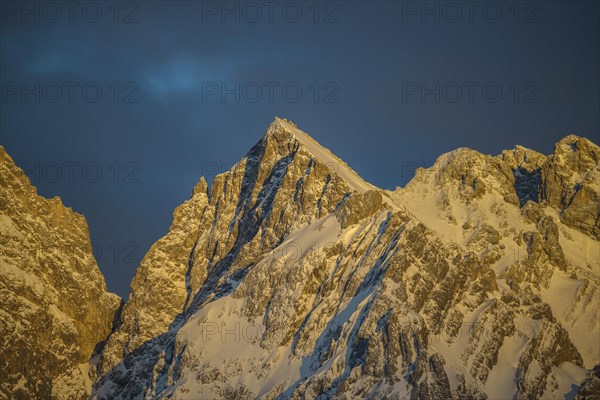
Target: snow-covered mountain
<point x="292" y="277"/>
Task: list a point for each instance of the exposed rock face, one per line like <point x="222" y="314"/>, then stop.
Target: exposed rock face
<point x="55" y="308"/>
<point x="358" y="207"/>
<point x="294" y="278"/>
<point x="572" y="183"/>
<point x="566" y="180"/>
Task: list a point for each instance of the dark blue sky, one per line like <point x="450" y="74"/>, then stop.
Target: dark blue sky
<point x="386" y="86"/>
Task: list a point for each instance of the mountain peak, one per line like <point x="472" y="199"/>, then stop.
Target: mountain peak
<point x="323" y="154"/>
<point x="284" y="122"/>
<point x="570" y="138"/>
<point x="572" y="143"/>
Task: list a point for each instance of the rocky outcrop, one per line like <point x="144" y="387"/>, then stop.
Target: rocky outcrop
<point x="55" y="308"/>
<point x="566" y="180"/>
<point x="573" y="157"/>
<point x="358" y="207"/>
<point x="571" y="183"/>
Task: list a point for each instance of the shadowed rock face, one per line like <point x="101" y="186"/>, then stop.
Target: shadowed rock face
<point x="55" y="307"/>
<point x="527" y="185"/>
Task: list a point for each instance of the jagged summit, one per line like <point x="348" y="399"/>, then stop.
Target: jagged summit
<point x="573" y="138"/>
<point x="283" y="135"/>
<point x="566" y="180"/>
<point x="336" y="164"/>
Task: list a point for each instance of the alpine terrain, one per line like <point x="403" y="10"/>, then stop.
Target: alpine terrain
<point x="54" y="307"/>
<point x="291" y="277"/>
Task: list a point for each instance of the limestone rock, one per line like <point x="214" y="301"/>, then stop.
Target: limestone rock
<point x="55" y="307"/>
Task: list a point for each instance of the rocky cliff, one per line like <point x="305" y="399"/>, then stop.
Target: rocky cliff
<point x="55" y="308"/>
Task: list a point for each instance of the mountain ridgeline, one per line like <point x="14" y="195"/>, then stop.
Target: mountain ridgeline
<point x="292" y="277"/>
